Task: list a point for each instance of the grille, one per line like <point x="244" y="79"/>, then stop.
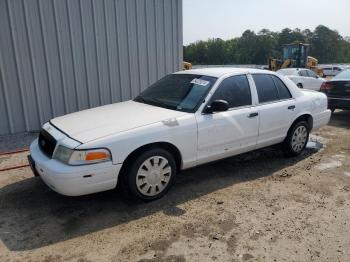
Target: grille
<point x="47" y="143"/>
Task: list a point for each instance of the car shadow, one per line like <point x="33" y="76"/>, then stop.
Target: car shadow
<point x="340" y="118"/>
<point x="33" y="216"/>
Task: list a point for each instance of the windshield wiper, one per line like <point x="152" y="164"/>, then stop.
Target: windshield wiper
<point x="163" y="104"/>
<point x="154" y="102"/>
<point x="140" y="99"/>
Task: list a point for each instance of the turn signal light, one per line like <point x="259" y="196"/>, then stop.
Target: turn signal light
<point x="93" y="156"/>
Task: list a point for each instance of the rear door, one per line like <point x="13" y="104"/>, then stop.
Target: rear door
<point x="314" y="80"/>
<point x="223" y="134"/>
<point x="276" y="109"/>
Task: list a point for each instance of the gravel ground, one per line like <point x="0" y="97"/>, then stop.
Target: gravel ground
<point x="256" y="207"/>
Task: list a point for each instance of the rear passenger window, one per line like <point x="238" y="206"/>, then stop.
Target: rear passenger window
<point x="235" y="90"/>
<point x="311" y="73"/>
<point x="283" y="91"/>
<point x="266" y="88"/>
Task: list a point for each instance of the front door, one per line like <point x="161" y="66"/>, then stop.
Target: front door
<point x="223" y="134"/>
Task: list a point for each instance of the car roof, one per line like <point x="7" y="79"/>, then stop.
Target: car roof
<point x="290" y="70"/>
<point x="221" y="71"/>
<point x="293" y="68"/>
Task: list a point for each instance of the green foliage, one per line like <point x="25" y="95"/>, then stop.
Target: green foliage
<point x="327" y="45"/>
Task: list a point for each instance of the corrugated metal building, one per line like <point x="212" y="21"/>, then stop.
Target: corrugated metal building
<point x="61" y="56"/>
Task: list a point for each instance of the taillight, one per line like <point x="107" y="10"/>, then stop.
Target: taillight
<point x="326" y="86"/>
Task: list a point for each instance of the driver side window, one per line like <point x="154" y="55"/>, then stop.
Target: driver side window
<point x="235" y="90"/>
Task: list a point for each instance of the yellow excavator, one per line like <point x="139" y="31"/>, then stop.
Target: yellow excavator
<point x="295" y="55"/>
<point x="186" y="65"/>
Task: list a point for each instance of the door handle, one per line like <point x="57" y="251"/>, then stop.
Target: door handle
<point x="291" y="107"/>
<point x="251" y="115"/>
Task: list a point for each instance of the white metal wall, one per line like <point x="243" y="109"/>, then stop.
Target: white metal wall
<point x="60" y="56"/>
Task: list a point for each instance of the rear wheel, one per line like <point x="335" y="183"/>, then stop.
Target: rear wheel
<point x="151" y="175"/>
<point x="297" y="138"/>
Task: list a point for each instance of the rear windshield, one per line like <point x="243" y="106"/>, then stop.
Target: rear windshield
<point x="343" y="75"/>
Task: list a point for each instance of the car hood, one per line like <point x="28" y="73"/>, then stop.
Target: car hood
<point x="91" y="124"/>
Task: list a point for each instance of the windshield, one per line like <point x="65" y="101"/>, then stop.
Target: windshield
<point x="181" y="92"/>
<point x="343" y="75"/>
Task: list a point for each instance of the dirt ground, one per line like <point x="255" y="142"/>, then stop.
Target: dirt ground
<point x="259" y="206"/>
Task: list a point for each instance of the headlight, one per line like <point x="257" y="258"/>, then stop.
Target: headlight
<point x="81" y="157"/>
<point x="63" y="154"/>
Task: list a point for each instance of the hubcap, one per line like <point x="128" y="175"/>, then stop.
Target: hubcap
<point x="153" y="175"/>
<point x="299" y="138"/>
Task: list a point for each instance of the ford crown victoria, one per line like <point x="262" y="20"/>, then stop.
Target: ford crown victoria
<point x="303" y="78"/>
<point x="183" y="120"/>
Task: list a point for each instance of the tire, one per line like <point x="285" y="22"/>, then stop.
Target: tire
<point x="150" y="175"/>
<point x="297" y="138"/>
<point x="300" y="85"/>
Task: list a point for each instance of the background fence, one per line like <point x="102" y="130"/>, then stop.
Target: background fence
<point x="61" y="56"/>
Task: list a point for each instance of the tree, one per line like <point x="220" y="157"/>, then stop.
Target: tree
<point x="265" y="46"/>
<point x="288" y="36"/>
<point x="231" y="51"/>
<point x="247" y="47"/>
<point x="216" y="51"/>
<point x="251" y="48"/>
<point x="326" y="45"/>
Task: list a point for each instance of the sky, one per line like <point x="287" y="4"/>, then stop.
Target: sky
<point x="203" y="19"/>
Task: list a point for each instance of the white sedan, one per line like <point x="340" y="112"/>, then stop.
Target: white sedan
<point x="184" y="120"/>
<point x="332" y="70"/>
<point x="303" y="78"/>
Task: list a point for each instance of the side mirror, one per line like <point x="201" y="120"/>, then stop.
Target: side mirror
<point x="217" y="106"/>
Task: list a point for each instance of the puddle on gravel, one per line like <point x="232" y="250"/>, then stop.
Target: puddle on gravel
<point x="316" y="143"/>
<point x="319" y="143"/>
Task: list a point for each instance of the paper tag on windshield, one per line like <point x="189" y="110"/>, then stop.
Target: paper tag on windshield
<point x="200" y="82"/>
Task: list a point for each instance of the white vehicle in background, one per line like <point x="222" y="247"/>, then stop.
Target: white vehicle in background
<point x="332" y="70"/>
<point x="184" y="120"/>
<point x="303" y="78"/>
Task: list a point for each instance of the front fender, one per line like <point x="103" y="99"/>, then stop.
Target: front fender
<point x="182" y="133"/>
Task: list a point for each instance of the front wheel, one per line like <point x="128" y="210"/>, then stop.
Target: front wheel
<point x="151" y="175"/>
<point x="297" y="138"/>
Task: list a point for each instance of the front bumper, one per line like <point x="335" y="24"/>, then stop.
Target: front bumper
<point x="32" y="165"/>
<point x="74" y="180"/>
